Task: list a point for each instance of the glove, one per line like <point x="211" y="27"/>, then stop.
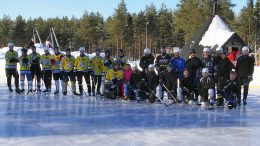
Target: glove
<point x="160" y="81"/>
<point x="143" y="80"/>
<point x="13" y="60"/>
<point x="250" y="78"/>
<point x="25" y="60"/>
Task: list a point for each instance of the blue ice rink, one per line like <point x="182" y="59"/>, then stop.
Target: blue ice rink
<point x="48" y="120"/>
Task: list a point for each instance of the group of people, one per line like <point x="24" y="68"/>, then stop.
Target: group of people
<point x="207" y="80"/>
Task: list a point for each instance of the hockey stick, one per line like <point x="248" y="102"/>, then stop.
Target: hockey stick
<point x="170" y="94"/>
<point x="155" y="95"/>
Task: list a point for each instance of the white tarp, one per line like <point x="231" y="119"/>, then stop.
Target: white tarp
<point x="217" y="34"/>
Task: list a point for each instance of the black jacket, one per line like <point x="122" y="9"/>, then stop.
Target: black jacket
<point x="135" y="78"/>
<point x="245" y="66"/>
<point x="194" y="65"/>
<point x="209" y="63"/>
<point x="162" y="61"/>
<point x="187" y="83"/>
<point x="152" y="80"/>
<point x="171" y="80"/>
<point x="145" y="61"/>
<point x="232" y="87"/>
<point x="224" y="68"/>
<point x="206" y="83"/>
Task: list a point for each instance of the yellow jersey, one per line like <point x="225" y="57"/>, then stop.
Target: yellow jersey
<point x="82" y="63"/>
<point x="11" y="59"/>
<point x="97" y="65"/>
<point x="67" y="63"/>
<point x="45" y="61"/>
<point x="25" y="63"/>
<point x="112" y="73"/>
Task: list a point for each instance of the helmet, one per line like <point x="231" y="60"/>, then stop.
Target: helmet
<point x="245" y="48"/>
<point x="151" y="66"/>
<point x="192" y="51"/>
<point x="147" y="51"/>
<point x="10" y="44"/>
<point x="98" y="50"/>
<point x="205" y="70"/>
<point x="219" y="49"/>
<point x="24" y="50"/>
<point x="46" y="49"/>
<point x="107" y="51"/>
<point x="82" y="49"/>
<point x="206" y="50"/>
<point x="68" y="50"/>
<point x="134" y="65"/>
<point x="121" y="50"/>
<point x="162" y="47"/>
<point x="176" y="50"/>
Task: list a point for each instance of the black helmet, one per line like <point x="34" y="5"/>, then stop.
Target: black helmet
<point x="192" y="51"/>
<point x="24" y="50"/>
<point x="107" y="51"/>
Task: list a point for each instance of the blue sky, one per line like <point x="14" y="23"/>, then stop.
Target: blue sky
<point x="54" y="8"/>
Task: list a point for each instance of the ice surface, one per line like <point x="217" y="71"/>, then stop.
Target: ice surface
<point x="48" y="120"/>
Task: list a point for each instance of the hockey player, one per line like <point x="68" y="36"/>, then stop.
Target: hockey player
<point x="146" y="60"/>
<point x="122" y="59"/>
<point x="115" y="76"/>
<point x="25" y="64"/>
<point x="98" y="68"/>
<point x="66" y="68"/>
<point x="208" y="62"/>
<point x="11" y="59"/>
<point x="82" y="66"/>
<point x="160" y="63"/>
<point x="135" y="79"/>
<point x="206" y="88"/>
<point x="231" y="91"/>
<point x="127" y="75"/>
<point x="170" y="83"/>
<point x="224" y="67"/>
<point x="187" y="87"/>
<point x="178" y="63"/>
<point x="108" y="61"/>
<point x="46" y="69"/>
<point x="194" y="65"/>
<point x="245" y="70"/>
<point x="147" y="86"/>
<point x="36" y="67"/>
<point x="57" y="76"/>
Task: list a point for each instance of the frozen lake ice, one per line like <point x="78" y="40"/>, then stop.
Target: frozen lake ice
<point x="48" y="120"/>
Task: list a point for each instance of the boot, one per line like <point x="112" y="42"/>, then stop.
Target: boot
<point x="18" y="90"/>
<point x="220" y="102"/>
<point x="75" y="93"/>
<point x="56" y="92"/>
<point x="10" y="89"/>
<point x="64" y="92"/>
<point x="244" y="102"/>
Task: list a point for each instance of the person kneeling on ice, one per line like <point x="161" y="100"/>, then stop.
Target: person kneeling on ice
<point x="171" y="84"/>
<point x="25" y="64"/>
<point x="127" y="75"/>
<point x="231" y="91"/>
<point x="147" y="87"/>
<point x="66" y="68"/>
<point x="187" y="87"/>
<point x="135" y="79"/>
<point x="114" y="81"/>
<point x="206" y="86"/>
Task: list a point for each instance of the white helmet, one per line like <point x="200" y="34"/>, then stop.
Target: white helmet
<point x="82" y="49"/>
<point x="205" y="70"/>
<point x="245" y="48"/>
<point x="147" y="51"/>
<point x="46" y="48"/>
<point x="206" y="49"/>
<point x="219" y="49"/>
<point x="10" y="44"/>
<point x="151" y="66"/>
<point x="176" y="50"/>
<point x="134" y="65"/>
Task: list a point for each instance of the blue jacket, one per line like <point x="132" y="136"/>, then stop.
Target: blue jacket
<point x="179" y="65"/>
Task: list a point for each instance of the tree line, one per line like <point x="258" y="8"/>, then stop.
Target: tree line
<point x="133" y="32"/>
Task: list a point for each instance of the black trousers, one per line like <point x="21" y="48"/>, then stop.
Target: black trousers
<point x="12" y="73"/>
<point x="47" y="77"/>
<point x="243" y="81"/>
<point x="36" y="71"/>
<point x="80" y="75"/>
<point x="97" y="82"/>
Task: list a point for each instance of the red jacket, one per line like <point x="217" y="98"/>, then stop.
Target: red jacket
<point x="127" y="75"/>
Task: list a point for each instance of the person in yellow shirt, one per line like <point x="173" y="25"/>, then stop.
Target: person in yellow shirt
<point x="116" y="76"/>
<point x="25" y="71"/>
<point x="11" y="59"/>
<point x="66" y="67"/>
<point x="122" y="59"/>
<point x="57" y="76"/>
<point x="82" y="67"/>
<point x="46" y="69"/>
<point x="36" y="67"/>
<point x="98" y="68"/>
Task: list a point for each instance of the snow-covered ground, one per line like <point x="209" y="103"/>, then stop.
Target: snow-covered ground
<point x="48" y="120"/>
